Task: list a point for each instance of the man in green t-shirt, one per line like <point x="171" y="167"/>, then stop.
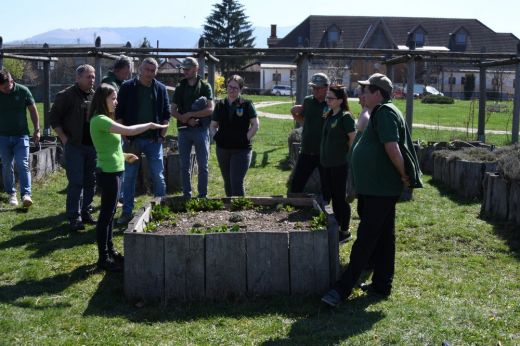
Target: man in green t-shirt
<point x="14" y="136"/>
<point x="310" y="115"/>
<point x="193" y="125"/>
<point x="379" y="177"/>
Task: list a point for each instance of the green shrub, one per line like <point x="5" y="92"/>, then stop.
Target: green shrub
<point x="242" y="203"/>
<point x="319" y="222"/>
<point x="439" y="99"/>
<point x="203" y="204"/>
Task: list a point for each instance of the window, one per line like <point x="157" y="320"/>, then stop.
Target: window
<point x="332" y="36"/>
<point x="460" y="37"/>
<point x="419" y="39"/>
<point x="300" y="41"/>
<point x="462" y="80"/>
<point x="277" y="77"/>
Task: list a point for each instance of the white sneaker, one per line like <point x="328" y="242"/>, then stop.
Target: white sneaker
<point x="13" y="200"/>
<point x="26" y="201"/>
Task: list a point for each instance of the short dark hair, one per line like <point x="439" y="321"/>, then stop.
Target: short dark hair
<point x="5" y="76"/>
<point x="374" y="88"/>
<point x="121" y="62"/>
<point x="99" y="100"/>
<point x="237" y="79"/>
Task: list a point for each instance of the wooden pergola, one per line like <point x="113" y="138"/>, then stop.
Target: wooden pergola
<point x="303" y="58"/>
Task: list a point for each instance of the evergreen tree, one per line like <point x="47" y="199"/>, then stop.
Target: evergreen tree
<point x="228" y="27"/>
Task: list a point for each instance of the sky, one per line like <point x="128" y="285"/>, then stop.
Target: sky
<point x="22" y="19"/>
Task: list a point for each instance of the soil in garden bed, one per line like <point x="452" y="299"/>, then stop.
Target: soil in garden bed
<point x="252" y="220"/>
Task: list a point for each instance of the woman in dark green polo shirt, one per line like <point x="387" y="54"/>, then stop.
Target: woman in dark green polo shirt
<point x="337" y="138"/>
<point x="106" y="136"/>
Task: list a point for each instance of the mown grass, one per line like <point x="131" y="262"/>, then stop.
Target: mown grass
<point x="460" y="114"/>
<point x="456" y="279"/>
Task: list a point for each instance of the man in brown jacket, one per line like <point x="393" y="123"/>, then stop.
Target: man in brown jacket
<point x="68" y="117"/>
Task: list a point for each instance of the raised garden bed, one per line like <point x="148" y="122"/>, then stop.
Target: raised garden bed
<point x="264" y="251"/>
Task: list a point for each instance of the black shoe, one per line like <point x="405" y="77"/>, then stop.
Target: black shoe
<point x="344" y="237"/>
<point x="88" y="219"/>
<point x="117" y="257"/>
<point x="76" y="225"/>
<point x="110" y="266"/>
<point x="331" y="298"/>
<point x="371" y="290"/>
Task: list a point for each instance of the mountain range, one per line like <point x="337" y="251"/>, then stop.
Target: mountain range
<point x="166" y="36"/>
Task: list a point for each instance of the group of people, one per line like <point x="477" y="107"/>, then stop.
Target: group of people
<point x="376" y="153"/>
<point x="105" y="131"/>
<point x="103" y="143"/>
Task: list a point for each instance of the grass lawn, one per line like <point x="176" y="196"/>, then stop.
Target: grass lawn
<point x="460" y="114"/>
<point x="457" y="279"/>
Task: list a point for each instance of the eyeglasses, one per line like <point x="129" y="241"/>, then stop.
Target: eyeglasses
<point x="233" y="88"/>
<point x="331" y="98"/>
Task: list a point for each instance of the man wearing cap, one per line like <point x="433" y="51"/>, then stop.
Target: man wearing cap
<point x="383" y="162"/>
<point x="15" y="99"/>
<point x="141" y="100"/>
<point x="310" y="115"/>
<point x="193" y="125"/>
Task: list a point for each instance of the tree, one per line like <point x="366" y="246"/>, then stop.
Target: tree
<point x="15" y="67"/>
<point x="228" y="27"/>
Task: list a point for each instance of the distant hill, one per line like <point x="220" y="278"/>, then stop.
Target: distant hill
<point x="169" y="37"/>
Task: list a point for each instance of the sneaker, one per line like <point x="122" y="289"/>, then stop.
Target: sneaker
<point x="76" y="225"/>
<point x="124" y="219"/>
<point x="110" y="266"/>
<point x="372" y="290"/>
<point x="13" y="201"/>
<point x="26" y="201"/>
<point x="331" y="298"/>
<point x="88" y="219"/>
<point x="344" y="237"/>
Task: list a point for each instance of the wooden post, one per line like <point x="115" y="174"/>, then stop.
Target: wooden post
<point x="516" y="103"/>
<point x="390" y="72"/>
<point x="302" y="71"/>
<point x="481" y="136"/>
<point x="410" y="82"/>
<point x="1" y="53"/>
<point x="201" y="58"/>
<point x="99" y="74"/>
<point x="46" y="97"/>
<point x="211" y="76"/>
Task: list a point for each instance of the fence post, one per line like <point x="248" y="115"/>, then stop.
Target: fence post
<point x="99" y="75"/>
<point x="410" y="83"/>
<point x="516" y="102"/>
<point x="1" y="53"/>
<point x="201" y="58"/>
<point x="211" y="76"/>
<point x="46" y="94"/>
<point x="481" y="132"/>
<point x="302" y="71"/>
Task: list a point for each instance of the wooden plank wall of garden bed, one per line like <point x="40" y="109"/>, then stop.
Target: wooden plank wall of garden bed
<point x="224" y="265"/>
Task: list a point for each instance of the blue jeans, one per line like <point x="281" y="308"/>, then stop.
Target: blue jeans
<point x="80" y="163"/>
<point x="153" y="151"/>
<point x="233" y="164"/>
<point x="15" y="148"/>
<point x="198" y="137"/>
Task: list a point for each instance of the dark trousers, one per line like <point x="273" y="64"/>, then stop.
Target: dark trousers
<point x="109" y="184"/>
<point x="375" y="242"/>
<point x="234" y="164"/>
<point x="336" y="182"/>
<point x="80" y="164"/>
<point x="305" y="165"/>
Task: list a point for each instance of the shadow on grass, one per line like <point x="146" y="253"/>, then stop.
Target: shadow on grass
<point x="10" y="294"/>
<point x="47" y="241"/>
<point x="510" y="234"/>
<point x="447" y="192"/>
<point x="314" y="322"/>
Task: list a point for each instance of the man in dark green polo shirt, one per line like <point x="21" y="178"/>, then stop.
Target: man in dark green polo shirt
<point x="383" y="162"/>
<point x="310" y="115"/>
<point x="14" y="136"/>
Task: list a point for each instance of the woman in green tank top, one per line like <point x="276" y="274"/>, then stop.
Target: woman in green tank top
<point x="106" y="136"/>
